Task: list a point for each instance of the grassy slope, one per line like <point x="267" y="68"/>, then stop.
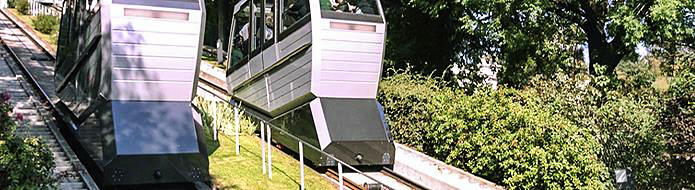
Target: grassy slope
<point x="52" y="39"/>
<point x="244" y="171"/>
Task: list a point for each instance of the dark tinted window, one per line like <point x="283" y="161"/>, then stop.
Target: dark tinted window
<point x="368" y="7"/>
<point x="258" y="26"/>
<point x="179" y="4"/>
<point x="241" y="35"/>
<point x="293" y="11"/>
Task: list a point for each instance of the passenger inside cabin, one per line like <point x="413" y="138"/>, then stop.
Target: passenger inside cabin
<point x="269" y="26"/>
<point x="244" y="32"/>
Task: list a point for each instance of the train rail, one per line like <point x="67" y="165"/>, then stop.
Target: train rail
<point x="30" y="77"/>
<point x="405" y="181"/>
<point x="330" y="173"/>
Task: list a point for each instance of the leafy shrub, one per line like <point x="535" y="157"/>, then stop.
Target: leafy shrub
<point x="679" y="120"/>
<point x="25" y="163"/>
<point x="405" y="98"/>
<point x="621" y="114"/>
<point x="492" y="134"/>
<point x="46" y="23"/>
<point x="22" y="6"/>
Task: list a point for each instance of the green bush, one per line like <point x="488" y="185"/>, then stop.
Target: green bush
<point x="46" y="23"/>
<point x="679" y="120"/>
<point x="25" y="163"/>
<point x="492" y="134"/>
<point x="518" y="137"/>
<point x="405" y="98"/>
<point x="622" y="115"/>
<point x="22" y="6"/>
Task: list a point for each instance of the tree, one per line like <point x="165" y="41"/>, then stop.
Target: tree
<point x="543" y="36"/>
<point x="213" y="28"/>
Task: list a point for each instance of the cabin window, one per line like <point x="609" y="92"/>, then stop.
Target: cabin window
<point x="258" y="6"/>
<point x="241" y="36"/>
<point x="293" y="11"/>
<point x="367" y="7"/>
<point x="269" y="21"/>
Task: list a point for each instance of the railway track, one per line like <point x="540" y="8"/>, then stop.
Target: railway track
<point x="25" y="71"/>
<point x="330" y="173"/>
<point x="397" y="181"/>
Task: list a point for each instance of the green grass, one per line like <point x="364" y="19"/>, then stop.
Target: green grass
<point x="244" y="171"/>
<point x="52" y="38"/>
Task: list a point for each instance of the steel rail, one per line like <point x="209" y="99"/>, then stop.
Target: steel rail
<point x="401" y="179"/>
<point x="347" y="182"/>
<point x="26" y="33"/>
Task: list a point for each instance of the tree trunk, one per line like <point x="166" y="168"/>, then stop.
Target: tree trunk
<point x="601" y="52"/>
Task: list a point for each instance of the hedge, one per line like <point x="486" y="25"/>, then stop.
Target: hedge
<point x="493" y="135"/>
<point x="566" y="131"/>
<point x="678" y="118"/>
<point x="405" y="98"/>
<point x="621" y="113"/>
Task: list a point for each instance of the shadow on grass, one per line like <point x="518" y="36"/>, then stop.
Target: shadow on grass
<point x="256" y="155"/>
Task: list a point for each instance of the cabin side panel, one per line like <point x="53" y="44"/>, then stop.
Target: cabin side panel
<point x="155" y="55"/>
<point x="350" y="59"/>
<point x="291" y="81"/>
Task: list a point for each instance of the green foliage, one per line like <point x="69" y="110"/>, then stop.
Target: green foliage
<point x="497" y="138"/>
<point x="678" y="118"/>
<point x="405" y="98"/>
<point x="46" y="23"/>
<point x="225" y="117"/>
<point x="25" y="163"/>
<point x="22" y="6"/>
<point x="621" y="113"/>
<point x="7" y="125"/>
<point x="528" y="38"/>
<point x="492" y="134"/>
<point x="10" y="3"/>
<point x="422" y="43"/>
<point x="507" y="136"/>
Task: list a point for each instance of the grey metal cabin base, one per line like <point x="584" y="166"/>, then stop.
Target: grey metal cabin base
<point x="145" y="142"/>
<point x="352" y="130"/>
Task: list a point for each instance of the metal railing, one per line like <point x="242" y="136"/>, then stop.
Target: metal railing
<point x="266" y="137"/>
